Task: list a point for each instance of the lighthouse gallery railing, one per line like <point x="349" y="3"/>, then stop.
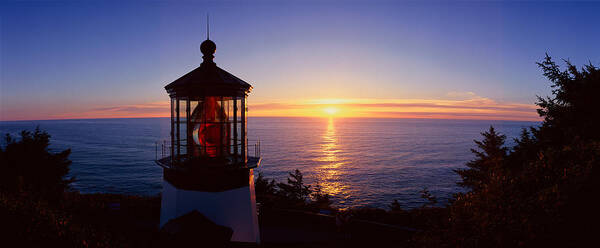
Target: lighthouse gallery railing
<point x="163" y="150"/>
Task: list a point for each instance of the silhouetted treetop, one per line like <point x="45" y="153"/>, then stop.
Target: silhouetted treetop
<point x="538" y="193"/>
<point x="573" y="109"/>
<point x="28" y="165"/>
<point x="490" y="156"/>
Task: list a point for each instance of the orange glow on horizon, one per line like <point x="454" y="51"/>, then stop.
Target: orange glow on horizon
<point x="474" y="107"/>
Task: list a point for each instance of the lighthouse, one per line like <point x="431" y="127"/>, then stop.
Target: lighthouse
<point x="209" y="168"/>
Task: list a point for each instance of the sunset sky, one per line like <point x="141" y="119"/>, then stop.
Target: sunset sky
<point x="455" y="60"/>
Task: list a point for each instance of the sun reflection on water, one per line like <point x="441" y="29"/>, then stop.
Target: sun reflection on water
<point x="329" y="171"/>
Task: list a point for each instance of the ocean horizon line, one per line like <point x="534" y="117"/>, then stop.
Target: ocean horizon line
<point x="289" y="117"/>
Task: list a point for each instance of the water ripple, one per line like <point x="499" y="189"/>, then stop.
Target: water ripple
<point x="360" y="162"/>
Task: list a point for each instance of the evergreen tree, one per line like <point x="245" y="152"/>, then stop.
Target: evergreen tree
<point x="295" y="189"/>
<point x="572" y="111"/>
<point x="395" y="206"/>
<point x="491" y="156"/>
<point x="538" y="193"/>
<point x="29" y="166"/>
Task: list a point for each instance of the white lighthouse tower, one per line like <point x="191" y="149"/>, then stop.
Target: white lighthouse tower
<point x="209" y="168"/>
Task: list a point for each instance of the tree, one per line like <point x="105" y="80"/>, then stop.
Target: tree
<point x="431" y="200"/>
<point x="28" y="166"/>
<point x="395" y="206"/>
<point x="319" y="198"/>
<point x="263" y="186"/>
<point x="490" y="157"/>
<point x="538" y="193"/>
<point x="295" y="189"/>
<point x="573" y="109"/>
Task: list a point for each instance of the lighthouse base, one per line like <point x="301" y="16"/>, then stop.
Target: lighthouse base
<point x="234" y="208"/>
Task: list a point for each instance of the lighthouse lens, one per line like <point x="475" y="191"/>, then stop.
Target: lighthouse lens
<point x="211" y="127"/>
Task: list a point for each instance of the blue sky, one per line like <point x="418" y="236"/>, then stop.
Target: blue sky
<point x="73" y="59"/>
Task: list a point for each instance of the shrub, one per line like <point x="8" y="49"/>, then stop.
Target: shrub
<point x="29" y="167"/>
<point x="293" y="194"/>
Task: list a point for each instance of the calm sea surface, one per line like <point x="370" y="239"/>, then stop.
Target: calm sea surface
<point x="360" y="162"/>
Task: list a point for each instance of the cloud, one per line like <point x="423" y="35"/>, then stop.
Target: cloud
<point x="466" y="105"/>
<point x="462" y="105"/>
<point x="154" y="109"/>
<point x="270" y="106"/>
<point x="137" y="109"/>
<point x="461" y="95"/>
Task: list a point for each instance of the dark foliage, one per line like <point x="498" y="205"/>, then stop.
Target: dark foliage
<point x="37" y="210"/>
<point x="431" y="200"/>
<point x="79" y="221"/>
<point x="294" y="194"/>
<point x="295" y="189"/>
<point x="264" y="186"/>
<point x="320" y="199"/>
<point x="28" y="166"/>
<point x="490" y="156"/>
<point x="538" y="193"/>
<point x="395" y="206"/>
<point x="573" y="110"/>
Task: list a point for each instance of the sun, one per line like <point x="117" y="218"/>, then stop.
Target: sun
<point x="331" y="110"/>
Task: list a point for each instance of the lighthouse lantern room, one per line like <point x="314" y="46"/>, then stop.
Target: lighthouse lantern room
<point x="209" y="168"/>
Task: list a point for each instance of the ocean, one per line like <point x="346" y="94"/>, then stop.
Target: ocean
<point x="358" y="161"/>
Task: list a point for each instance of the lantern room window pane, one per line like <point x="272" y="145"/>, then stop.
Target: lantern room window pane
<point x="182" y="124"/>
<point x="172" y="149"/>
<point x="234" y="134"/>
<point x="209" y="127"/>
<point x="182" y="111"/>
<point x="193" y="123"/>
<point x="244" y="141"/>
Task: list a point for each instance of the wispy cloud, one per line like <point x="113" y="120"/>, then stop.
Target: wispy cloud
<point x="455" y="105"/>
<point x="153" y="109"/>
<point x="461" y="95"/>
